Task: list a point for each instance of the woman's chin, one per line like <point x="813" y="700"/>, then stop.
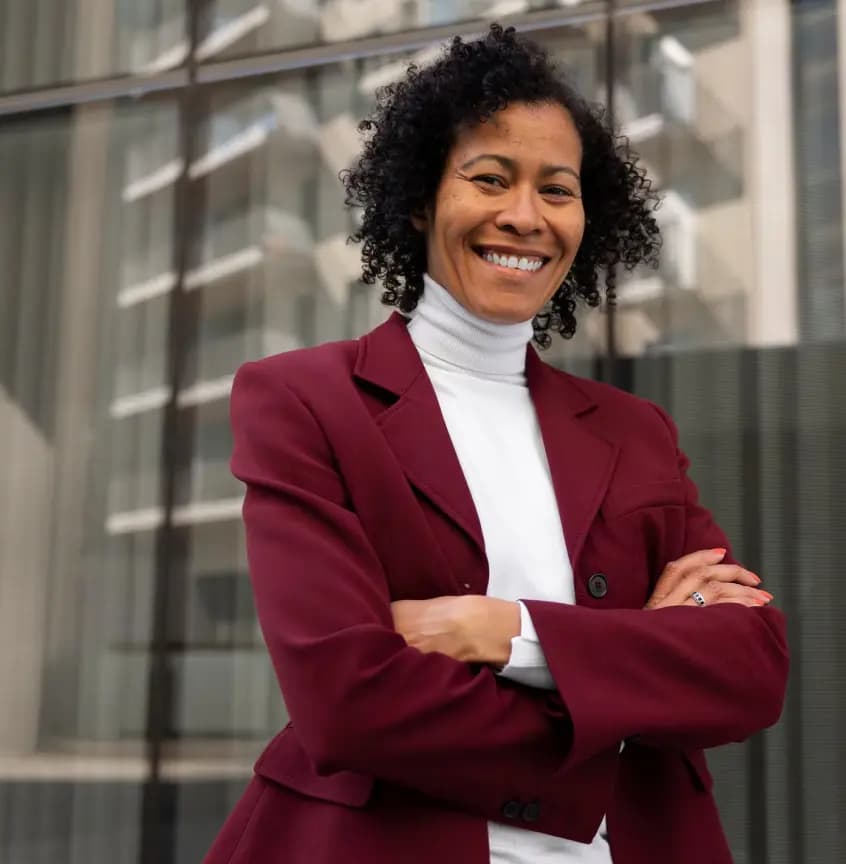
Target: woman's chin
<point x="505" y="313"/>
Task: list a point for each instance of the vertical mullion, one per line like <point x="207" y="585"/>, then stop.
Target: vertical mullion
<point x="792" y="592"/>
<point x="794" y="708"/>
<point x="611" y="373"/>
<point x="755" y="749"/>
<point x="156" y="843"/>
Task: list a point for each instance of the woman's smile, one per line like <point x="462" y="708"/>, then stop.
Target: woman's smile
<point x="510" y="263"/>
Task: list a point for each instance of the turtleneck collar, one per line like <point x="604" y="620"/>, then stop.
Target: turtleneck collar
<point x="443" y="329"/>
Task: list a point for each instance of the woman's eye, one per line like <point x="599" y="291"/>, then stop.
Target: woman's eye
<point x="558" y="191"/>
<point x="490" y="179"/>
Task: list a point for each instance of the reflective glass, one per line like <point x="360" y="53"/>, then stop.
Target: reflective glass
<point x="240" y="27"/>
<point x="49" y="42"/>
<point x="683" y="101"/>
<point x="82" y="390"/>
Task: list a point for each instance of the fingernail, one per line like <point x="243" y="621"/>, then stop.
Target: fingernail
<point x="755" y="576"/>
<point x="719" y="552"/>
<point x="766" y="594"/>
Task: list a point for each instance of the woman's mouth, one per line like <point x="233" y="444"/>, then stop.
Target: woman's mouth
<point x="511" y="263"/>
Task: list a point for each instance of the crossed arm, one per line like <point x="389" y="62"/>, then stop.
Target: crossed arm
<point x="480" y="629"/>
<point x="361" y="698"/>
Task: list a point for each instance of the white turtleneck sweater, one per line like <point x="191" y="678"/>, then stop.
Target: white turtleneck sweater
<point x="477" y="369"/>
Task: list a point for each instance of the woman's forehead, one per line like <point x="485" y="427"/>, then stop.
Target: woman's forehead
<point x="522" y="131"/>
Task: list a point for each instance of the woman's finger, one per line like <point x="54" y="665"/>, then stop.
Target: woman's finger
<point x="716" y="592"/>
<point x="703" y="576"/>
<point x="726" y="573"/>
<point x="676" y="570"/>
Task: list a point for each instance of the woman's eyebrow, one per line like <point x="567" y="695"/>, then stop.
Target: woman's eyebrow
<point x="511" y="165"/>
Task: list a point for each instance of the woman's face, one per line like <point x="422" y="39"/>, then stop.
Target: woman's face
<point x="508" y="216"/>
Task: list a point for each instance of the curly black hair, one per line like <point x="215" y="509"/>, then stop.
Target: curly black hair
<point x="414" y="126"/>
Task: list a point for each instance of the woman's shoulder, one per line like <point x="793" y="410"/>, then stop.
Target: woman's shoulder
<point x="603" y="394"/>
<point x="301" y="369"/>
<point x="618" y="411"/>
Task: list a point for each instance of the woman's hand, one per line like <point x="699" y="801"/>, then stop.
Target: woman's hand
<point x="470" y="628"/>
<point x="717" y="583"/>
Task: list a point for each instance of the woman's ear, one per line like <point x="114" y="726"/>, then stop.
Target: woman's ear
<point x="420" y="219"/>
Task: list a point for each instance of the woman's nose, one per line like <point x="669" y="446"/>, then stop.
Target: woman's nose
<point x="520" y="212"/>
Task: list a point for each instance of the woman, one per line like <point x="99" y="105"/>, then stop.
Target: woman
<point x="467" y="682"/>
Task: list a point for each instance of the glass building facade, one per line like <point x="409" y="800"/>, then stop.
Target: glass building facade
<point x="170" y="207"/>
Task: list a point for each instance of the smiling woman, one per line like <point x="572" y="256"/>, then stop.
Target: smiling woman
<point x="491" y="150"/>
<point x="495" y="570"/>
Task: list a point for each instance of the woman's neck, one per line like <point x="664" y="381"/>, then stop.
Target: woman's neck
<point x="443" y="329"/>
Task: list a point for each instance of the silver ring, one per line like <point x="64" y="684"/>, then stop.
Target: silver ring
<point x="698" y="599"/>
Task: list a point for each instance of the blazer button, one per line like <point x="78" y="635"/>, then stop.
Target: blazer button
<point x="598" y="586"/>
<point x="531" y="812"/>
<point x="511" y="809"/>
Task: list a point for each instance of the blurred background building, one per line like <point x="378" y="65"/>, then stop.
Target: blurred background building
<point x="169" y="207"/>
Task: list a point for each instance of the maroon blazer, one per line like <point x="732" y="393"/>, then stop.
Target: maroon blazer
<point x="355" y="498"/>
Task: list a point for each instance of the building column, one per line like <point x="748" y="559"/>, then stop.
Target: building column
<point x="773" y="308"/>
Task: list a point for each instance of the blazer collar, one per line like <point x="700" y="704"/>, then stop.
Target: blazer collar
<point x="387" y="358"/>
<point x="580" y="462"/>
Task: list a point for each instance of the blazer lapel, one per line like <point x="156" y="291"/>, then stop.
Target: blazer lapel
<point x="414" y="426"/>
<point x="580" y="462"/>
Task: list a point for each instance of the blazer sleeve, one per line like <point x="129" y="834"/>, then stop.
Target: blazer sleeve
<point x="359" y="698"/>
<point x="678" y="677"/>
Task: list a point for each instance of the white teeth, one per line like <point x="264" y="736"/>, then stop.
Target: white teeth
<point x="530" y="264"/>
